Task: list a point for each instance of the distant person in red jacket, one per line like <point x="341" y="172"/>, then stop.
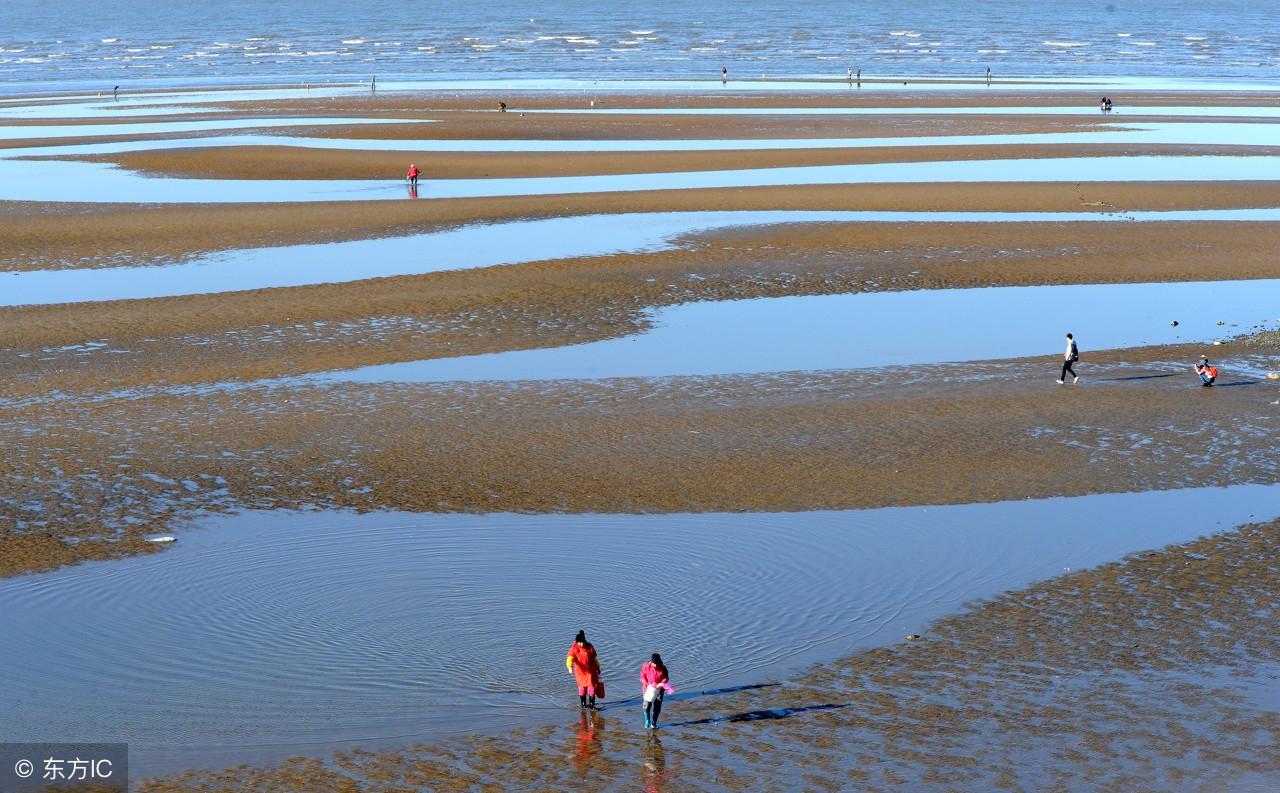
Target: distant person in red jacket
<point x="413" y="175"/>
<point x="582" y="661"/>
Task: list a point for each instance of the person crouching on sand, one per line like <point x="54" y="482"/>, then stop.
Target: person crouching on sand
<point x="584" y="664"/>
<point x="413" y="175"/>
<point x="1069" y="357"/>
<point x="653" y="682"/>
<point x="1208" y="374"/>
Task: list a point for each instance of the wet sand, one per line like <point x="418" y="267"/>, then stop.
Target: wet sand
<point x="284" y="162"/>
<point x="734" y="96"/>
<point x="39" y="236"/>
<point x="1148" y="674"/>
<point x="124" y="419"/>
<point x="782" y="442"/>
<point x="207" y="338"/>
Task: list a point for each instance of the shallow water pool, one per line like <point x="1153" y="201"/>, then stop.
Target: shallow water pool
<point x="870" y="330"/>
<point x="293" y="632"/>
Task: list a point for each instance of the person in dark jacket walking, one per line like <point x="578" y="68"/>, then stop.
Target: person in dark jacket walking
<point x="1069" y="357"/>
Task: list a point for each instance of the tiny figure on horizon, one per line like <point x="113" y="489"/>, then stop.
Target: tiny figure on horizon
<point x="859" y="76"/>
<point x="1069" y="357"/>
<point x="115" y="93"/>
<point x="502" y="107"/>
<point x="412" y="175"/>
<point x="1208" y="373"/>
<point x="849" y="73"/>
<point x="988" y="75"/>
<point x="582" y="661"/>
<point x="724" y="74"/>
<point x="373" y="85"/>
<point x="654" y="681"/>
<point x="1105" y="104"/>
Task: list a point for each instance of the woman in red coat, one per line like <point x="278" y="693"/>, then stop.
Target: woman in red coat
<point x="582" y="661"/>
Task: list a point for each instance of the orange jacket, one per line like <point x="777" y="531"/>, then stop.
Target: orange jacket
<point x="582" y="661"/>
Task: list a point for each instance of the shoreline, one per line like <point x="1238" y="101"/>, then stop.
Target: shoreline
<point x="400" y="82"/>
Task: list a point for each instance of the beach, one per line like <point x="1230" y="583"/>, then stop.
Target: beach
<point x="744" y="315"/>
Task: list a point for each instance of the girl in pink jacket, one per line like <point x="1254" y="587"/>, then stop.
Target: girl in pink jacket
<point x="653" y="682"/>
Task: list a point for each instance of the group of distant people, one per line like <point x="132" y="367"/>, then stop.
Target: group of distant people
<point x="1105" y="104"/>
<point x="1207" y="372"/>
<point x="655" y="681"/>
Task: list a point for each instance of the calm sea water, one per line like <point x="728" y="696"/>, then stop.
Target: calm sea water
<point x="74" y="44"/>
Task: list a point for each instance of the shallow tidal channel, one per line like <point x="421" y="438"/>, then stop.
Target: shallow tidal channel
<point x="297" y="633"/>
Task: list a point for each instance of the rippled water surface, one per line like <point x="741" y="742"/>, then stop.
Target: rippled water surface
<point x="289" y="631"/>
<point x="60" y="42"/>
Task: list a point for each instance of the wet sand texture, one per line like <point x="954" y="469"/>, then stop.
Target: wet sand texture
<point x="37" y="236"/>
<point x="783" y="442"/>
<point x="211" y="338"/>
<point x="1155" y="673"/>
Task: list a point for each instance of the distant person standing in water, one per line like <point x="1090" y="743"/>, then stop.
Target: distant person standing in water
<point x="413" y="175"/>
<point x="654" y="681"/>
<point x="582" y="661"/>
<point x="988" y="74"/>
<point x="859" y="76"/>
<point x="373" y="84"/>
<point x="1069" y="357"/>
<point x="724" y="74"/>
<point x="115" y="92"/>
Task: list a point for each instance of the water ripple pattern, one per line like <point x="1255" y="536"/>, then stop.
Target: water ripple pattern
<point x="305" y="628"/>
<point x="60" y="43"/>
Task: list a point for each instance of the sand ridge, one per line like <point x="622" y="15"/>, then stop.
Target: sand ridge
<point x="1137" y="675"/>
<point x="38" y="236"/>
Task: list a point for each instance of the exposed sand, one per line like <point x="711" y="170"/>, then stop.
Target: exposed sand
<point x="1111" y="679"/>
<point x="449" y="125"/>
<point x="391" y="102"/>
<point x="283" y="162"/>
<point x="38" y="236"/>
<point x="205" y="338"/>
<point x="785" y="442"/>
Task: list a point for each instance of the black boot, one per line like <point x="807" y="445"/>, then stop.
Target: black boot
<point x="591" y="703"/>
<point x="582" y="700"/>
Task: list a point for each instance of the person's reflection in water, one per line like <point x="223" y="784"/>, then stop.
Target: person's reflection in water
<point x="413" y="191"/>
<point x="590" y="727"/>
<point x="654" y="775"/>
